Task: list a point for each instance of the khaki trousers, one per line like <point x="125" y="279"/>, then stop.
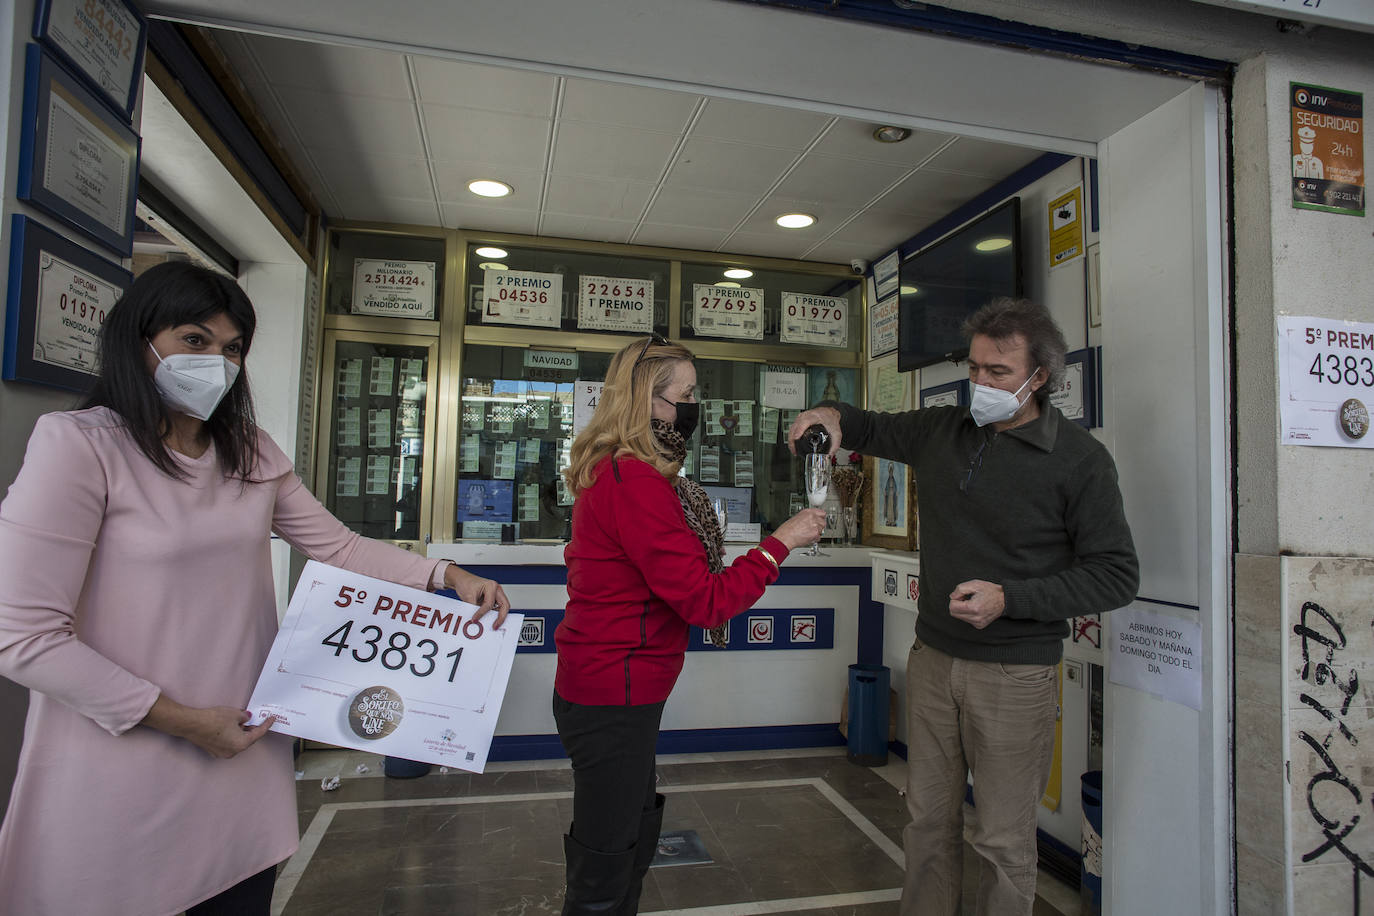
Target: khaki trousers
<point x="996" y="721"/>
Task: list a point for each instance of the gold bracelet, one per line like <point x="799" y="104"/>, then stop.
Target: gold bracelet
<point x="768" y="556"/>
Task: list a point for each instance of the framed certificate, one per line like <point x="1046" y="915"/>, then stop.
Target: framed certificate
<point x="1080" y="397"/>
<point x="950" y="394"/>
<point x="102" y="40"/>
<point x="882" y="327"/>
<point x="77" y="159"/>
<point x="59" y="294"/>
<point x="889" y="391"/>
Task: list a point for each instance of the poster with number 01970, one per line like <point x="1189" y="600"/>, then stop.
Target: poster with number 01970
<point x="370" y="665"/>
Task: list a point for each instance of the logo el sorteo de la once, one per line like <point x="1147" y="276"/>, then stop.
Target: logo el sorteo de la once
<point x="375" y="712"/>
<point x="1354" y="418"/>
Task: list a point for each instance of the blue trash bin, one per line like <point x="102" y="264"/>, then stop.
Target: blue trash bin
<point x="400" y="768"/>
<point x="868" y="686"/>
<point x="1090" y="872"/>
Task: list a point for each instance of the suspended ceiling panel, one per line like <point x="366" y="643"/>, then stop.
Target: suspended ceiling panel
<point x="689" y="124"/>
<point x="387" y="136"/>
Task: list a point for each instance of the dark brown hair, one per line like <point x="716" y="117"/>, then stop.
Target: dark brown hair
<point x="1003" y="318"/>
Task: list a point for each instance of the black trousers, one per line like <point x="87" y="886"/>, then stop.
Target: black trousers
<point x="612" y="754"/>
<point x="250" y="897"/>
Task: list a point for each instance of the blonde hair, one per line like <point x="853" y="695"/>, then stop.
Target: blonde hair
<point x="620" y="424"/>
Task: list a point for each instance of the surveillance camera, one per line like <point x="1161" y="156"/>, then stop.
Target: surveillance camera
<point x="858" y="265"/>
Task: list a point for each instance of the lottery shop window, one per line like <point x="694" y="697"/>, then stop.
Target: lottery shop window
<point x="595" y="292"/>
<point x="826" y="310"/>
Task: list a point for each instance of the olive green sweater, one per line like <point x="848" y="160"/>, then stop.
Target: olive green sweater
<point x="1039" y="513"/>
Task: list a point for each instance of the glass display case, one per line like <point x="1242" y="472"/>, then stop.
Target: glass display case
<point x="384" y="275"/>
<point x="771" y="306"/>
<point x="379" y="426"/>
<point x="451" y="362"/>
<point x="516" y="433"/>
<point x="593" y="292"/>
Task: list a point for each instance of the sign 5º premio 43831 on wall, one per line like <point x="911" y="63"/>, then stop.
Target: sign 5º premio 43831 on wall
<point x="1326" y="381"/>
<point x="374" y="666"/>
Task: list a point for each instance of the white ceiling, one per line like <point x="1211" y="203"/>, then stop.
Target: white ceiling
<point x="382" y="135"/>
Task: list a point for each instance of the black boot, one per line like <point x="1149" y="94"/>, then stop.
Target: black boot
<point x="650" y="823"/>
<point x="597" y="881"/>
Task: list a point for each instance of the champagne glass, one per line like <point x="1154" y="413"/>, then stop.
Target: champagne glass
<point x="851" y="529"/>
<point x="816" y="479"/>
<point x="718" y="507"/>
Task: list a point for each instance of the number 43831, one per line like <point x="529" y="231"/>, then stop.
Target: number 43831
<point x="396" y="655"/>
<point x="1335" y="370"/>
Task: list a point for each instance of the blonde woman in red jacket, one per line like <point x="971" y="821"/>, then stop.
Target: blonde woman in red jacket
<point x="644" y="564"/>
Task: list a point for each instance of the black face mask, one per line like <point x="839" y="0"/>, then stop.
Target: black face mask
<point x="688" y="413"/>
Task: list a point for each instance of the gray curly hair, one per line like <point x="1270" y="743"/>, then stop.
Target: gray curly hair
<point x="1003" y="318"/>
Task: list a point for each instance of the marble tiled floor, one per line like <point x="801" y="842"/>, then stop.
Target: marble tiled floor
<point x="790" y="832"/>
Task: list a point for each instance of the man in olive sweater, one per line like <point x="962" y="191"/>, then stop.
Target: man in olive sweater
<point x="1021" y="528"/>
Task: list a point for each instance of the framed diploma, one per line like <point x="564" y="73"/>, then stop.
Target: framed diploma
<point x="950" y="394"/>
<point x="882" y="327"/>
<point x="59" y="294"/>
<point x="77" y="159"/>
<point x="889" y="391"/>
<point x="102" y="40"/>
<point x="1079" y="398"/>
<point x="889" y="506"/>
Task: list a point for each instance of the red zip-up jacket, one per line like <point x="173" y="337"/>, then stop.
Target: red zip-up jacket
<point x="637" y="577"/>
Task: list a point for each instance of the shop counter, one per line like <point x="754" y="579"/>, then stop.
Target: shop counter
<point x="779" y="682"/>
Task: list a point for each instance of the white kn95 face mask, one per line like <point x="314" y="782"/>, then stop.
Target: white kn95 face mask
<point x="993" y="405"/>
<point x="193" y="383"/>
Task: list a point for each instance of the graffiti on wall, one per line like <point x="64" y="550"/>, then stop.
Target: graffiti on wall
<point x="1329" y="775"/>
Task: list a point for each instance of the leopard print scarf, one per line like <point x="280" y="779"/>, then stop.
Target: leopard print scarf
<point x="701" y="518"/>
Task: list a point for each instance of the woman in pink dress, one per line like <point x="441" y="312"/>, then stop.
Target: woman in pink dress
<point x="138" y="606"/>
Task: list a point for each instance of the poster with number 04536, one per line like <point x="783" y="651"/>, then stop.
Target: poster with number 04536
<point x="370" y="665"/>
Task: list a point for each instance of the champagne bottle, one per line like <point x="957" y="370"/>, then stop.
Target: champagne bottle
<point x="815" y="440"/>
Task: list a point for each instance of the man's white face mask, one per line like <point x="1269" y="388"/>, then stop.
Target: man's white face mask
<point x="993" y="405"/>
<point x="192" y="383"/>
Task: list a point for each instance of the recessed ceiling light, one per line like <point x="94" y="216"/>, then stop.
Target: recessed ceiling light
<point x="485" y="187"/>
<point x="795" y="220"/>
<point x="909" y="290"/>
<point x="489" y="252"/>
<point x="493" y="265"/>
<point x="890" y="134"/>
<point x="739" y="273"/>
<point x="730" y="283"/>
<point x="995" y="243"/>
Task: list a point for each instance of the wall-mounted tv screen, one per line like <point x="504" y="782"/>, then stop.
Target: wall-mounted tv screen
<point x="944" y="283"/>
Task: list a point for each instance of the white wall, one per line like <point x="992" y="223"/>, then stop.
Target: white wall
<point x="1294" y="502"/>
<point x="1299" y="262"/>
<point x="274" y="372"/>
<point x="1166" y="785"/>
<point x="20" y="404"/>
